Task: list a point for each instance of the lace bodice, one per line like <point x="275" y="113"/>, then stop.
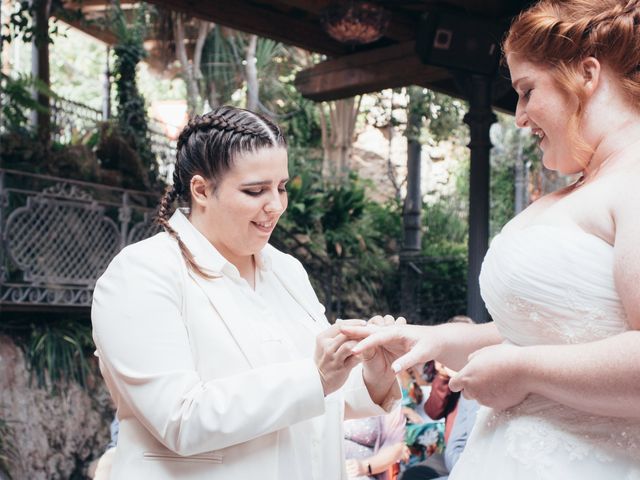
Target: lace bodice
<point x="552" y="285"/>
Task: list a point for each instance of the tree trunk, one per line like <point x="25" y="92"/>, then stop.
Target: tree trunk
<point x="337" y="137"/>
<point x="251" y="72"/>
<point x="193" y="98"/>
<point x="40" y="68"/>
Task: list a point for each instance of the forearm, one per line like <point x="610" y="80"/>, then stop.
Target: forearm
<point x="459" y="340"/>
<point x="601" y="377"/>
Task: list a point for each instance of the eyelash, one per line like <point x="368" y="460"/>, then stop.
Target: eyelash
<point x="257" y="194"/>
<point x="527" y="94"/>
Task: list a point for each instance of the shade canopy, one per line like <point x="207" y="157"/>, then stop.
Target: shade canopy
<point x="424" y="42"/>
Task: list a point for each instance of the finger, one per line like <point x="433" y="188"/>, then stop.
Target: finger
<point x="376" y="337"/>
<point x="351" y="362"/>
<point x="401" y="321"/>
<point x="389" y="320"/>
<point x="345" y="350"/>
<point x="334" y="344"/>
<point x="406" y="361"/>
<point x="330" y="332"/>
<point x="457" y="383"/>
<point x="351" y="321"/>
<point x="358" y="333"/>
<point x="376" y="320"/>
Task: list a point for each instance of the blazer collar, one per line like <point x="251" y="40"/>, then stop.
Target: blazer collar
<point x="204" y="253"/>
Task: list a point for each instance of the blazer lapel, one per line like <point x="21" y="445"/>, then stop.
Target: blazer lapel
<point x="216" y="289"/>
<point x="221" y="301"/>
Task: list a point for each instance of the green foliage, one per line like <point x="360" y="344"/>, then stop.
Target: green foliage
<point x="223" y="68"/>
<point x="57" y="353"/>
<point x="20" y="24"/>
<point x="18" y="101"/>
<point x="298" y="117"/>
<point x="510" y="146"/>
<point x="221" y="64"/>
<point x="343" y="238"/>
<point x="132" y="115"/>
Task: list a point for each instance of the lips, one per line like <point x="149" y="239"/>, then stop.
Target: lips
<point x="265" y="227"/>
<point x="538" y="133"/>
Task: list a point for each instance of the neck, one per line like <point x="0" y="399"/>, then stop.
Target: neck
<point x="612" y="144"/>
<point x="244" y="263"/>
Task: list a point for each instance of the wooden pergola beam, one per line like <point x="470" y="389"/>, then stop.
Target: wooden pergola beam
<point x="260" y="20"/>
<point x="364" y="72"/>
<point x="101" y="34"/>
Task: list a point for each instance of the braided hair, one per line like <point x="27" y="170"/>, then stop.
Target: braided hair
<point x="561" y="33"/>
<point x="208" y="146"/>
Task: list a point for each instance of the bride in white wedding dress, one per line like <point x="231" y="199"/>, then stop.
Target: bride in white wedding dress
<point x="558" y="370"/>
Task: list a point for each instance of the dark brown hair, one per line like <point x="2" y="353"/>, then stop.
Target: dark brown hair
<point x="208" y="146"/>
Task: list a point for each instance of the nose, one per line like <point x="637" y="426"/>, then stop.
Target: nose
<point x="274" y="204"/>
<point x="522" y="120"/>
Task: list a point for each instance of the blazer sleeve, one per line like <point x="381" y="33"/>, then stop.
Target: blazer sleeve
<point x="147" y="362"/>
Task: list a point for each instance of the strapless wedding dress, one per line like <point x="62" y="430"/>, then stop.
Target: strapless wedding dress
<point x="551" y="285"/>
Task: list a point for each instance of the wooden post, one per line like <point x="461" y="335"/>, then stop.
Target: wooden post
<point x="410" y="274"/>
<point x="479" y="118"/>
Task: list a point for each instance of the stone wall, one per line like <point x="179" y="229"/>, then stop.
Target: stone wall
<point x="55" y="435"/>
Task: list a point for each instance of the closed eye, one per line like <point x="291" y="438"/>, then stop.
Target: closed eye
<point x="256" y="192"/>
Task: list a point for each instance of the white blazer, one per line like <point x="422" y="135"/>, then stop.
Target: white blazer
<point x="195" y="397"/>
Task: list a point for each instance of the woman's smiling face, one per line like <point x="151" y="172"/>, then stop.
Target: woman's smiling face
<point x="547" y="110"/>
<point x="247" y="203"/>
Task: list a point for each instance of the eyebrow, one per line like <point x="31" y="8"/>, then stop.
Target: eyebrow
<point x="262" y="183"/>
<point x="515" y="84"/>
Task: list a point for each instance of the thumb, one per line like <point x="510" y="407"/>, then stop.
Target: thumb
<point x="456" y="383"/>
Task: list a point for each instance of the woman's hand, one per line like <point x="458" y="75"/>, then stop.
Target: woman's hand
<point x="401" y="345"/>
<point x="355" y="468"/>
<point x="378" y="375"/>
<point x="495" y="376"/>
<point x="334" y="357"/>
<point x="378" y="360"/>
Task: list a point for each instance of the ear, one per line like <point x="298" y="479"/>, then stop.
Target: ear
<point x="590" y="71"/>
<point x="201" y="189"/>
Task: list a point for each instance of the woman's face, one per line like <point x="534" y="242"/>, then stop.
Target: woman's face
<point x="246" y="203"/>
<point x="546" y="110"/>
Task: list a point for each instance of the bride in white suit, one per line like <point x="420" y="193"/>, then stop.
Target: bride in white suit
<point x="213" y="344"/>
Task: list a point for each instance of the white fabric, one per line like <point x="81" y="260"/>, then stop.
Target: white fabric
<point x="549" y="285"/>
<point x="208" y="380"/>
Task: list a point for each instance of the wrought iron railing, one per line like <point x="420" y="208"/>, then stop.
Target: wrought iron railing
<point x="72" y="120"/>
<point x="57" y="236"/>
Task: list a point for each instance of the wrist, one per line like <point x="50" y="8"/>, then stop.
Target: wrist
<point x="528" y="368"/>
<point x="365" y="468"/>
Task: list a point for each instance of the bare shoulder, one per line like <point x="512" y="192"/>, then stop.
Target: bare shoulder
<point x="623" y="189"/>
<point x="532" y="212"/>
